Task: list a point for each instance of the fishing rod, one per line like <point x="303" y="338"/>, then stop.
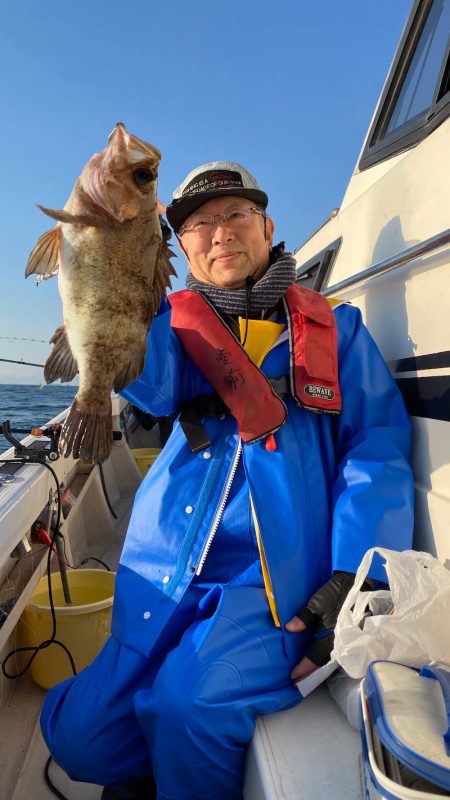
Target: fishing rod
<point x="25" y="363"/>
<point x="22" y="339"/>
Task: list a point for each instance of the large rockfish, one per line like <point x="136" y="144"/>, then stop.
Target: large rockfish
<point x="113" y="267"/>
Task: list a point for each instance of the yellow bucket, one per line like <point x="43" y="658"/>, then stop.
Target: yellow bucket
<point x="144" y="457"/>
<point x="82" y="627"/>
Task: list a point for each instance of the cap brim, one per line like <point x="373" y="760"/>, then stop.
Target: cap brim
<point x="179" y="210"/>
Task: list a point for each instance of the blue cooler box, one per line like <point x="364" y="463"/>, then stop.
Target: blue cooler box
<point x="405" y="719"/>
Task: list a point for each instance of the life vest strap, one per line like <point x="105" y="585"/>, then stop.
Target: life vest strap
<point x="203" y="405"/>
<point x="212" y="406"/>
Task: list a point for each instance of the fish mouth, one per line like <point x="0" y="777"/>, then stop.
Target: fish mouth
<point x="136" y="148"/>
<point x="118" y="128"/>
<point x="104" y="178"/>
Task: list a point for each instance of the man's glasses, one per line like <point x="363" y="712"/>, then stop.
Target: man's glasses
<point x="204" y="226"/>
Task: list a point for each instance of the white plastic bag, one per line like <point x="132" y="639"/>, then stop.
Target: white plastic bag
<point x="416" y="629"/>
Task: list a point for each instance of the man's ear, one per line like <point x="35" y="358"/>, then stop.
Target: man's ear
<point x="270" y="230"/>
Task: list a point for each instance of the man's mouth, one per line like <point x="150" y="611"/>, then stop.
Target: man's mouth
<point x="230" y="255"/>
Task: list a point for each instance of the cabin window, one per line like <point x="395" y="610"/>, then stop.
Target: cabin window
<point x="417" y="94"/>
<point x="315" y="273"/>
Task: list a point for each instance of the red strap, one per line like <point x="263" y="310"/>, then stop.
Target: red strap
<point x="312" y="330"/>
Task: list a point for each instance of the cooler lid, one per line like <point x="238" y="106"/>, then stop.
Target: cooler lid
<point x="410" y="711"/>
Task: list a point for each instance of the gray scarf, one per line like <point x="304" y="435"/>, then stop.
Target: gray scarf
<point x="252" y="300"/>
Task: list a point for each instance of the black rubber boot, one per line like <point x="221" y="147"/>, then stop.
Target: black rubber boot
<point x="141" y="789"/>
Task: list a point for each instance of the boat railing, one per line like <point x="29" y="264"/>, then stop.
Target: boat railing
<point x="399" y="259"/>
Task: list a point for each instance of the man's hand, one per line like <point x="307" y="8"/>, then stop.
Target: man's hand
<point x="322" y="610"/>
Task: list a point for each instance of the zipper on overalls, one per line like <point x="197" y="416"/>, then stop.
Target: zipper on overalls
<point x="226" y="491"/>
<point x="220" y="508"/>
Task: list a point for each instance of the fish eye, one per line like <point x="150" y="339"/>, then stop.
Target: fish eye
<point x="143" y="176"/>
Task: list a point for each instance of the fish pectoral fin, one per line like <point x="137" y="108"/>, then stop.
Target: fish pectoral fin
<point x="61" y="362"/>
<point x="43" y="260"/>
<point x="130" y="371"/>
<point x="76" y="219"/>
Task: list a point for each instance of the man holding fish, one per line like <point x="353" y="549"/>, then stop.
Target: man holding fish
<point x="287" y="461"/>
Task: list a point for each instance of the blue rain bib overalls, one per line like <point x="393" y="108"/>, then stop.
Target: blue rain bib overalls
<point x="195" y="653"/>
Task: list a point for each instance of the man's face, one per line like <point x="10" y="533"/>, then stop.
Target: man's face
<point x="227" y="256"/>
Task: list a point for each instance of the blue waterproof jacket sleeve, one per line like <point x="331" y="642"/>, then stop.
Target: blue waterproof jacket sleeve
<point x="374" y="486"/>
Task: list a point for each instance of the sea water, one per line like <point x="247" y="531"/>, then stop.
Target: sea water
<point x="32" y="406"/>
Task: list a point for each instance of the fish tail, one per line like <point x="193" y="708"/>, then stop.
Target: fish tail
<point x="87" y="432"/>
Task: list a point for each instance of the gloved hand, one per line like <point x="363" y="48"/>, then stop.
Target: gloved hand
<point x="323" y="610"/>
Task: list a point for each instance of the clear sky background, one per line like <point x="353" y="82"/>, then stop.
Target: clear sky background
<point x="286" y="87"/>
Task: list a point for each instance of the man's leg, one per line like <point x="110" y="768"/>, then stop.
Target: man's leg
<point x="89" y="722"/>
<point x="200" y="712"/>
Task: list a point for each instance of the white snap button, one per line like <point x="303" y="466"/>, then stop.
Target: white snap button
<point x="189" y="509"/>
<point x="166" y="579"/>
<point x="147" y="614"/>
<point x="207" y="454"/>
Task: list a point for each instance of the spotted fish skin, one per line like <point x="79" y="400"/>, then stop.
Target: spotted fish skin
<point x="113" y="267"/>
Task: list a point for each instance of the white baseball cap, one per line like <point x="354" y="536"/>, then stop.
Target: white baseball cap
<point x="211" y="180"/>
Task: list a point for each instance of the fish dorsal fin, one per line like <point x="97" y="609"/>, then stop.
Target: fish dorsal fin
<point x="164" y="270"/>
<point x="43" y="260"/>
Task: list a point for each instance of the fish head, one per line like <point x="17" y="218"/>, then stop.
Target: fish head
<point x="122" y="179"/>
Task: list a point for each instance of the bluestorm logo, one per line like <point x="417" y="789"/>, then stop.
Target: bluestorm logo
<point x="322" y="392"/>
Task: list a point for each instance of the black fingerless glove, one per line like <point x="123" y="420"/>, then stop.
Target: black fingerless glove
<point x="323" y="609"/>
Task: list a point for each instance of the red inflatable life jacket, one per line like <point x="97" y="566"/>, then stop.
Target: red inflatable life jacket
<point x="241" y="385"/>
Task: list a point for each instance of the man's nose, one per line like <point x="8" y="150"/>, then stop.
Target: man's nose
<point x="222" y="231"/>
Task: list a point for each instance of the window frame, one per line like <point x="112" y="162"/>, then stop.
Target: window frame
<point x="379" y="147"/>
<point x="324" y="260"/>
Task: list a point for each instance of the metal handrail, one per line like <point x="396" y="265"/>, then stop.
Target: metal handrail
<point x="422" y="249"/>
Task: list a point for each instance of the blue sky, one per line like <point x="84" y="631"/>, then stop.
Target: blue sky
<point x="286" y="87"/>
